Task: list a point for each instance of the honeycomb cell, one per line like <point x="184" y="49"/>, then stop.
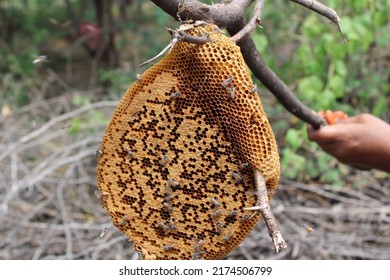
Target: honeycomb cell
<point x="175" y="168"/>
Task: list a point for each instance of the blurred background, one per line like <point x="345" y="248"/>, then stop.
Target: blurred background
<point x="64" y="65"/>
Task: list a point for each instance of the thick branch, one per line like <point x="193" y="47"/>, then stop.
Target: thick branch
<point x="272" y="82"/>
<point x="220" y="14"/>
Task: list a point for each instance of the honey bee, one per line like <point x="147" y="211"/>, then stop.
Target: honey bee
<point x="171" y="224"/>
<point x="215" y="202"/>
<point x="216" y="214"/>
<point x="124" y="220"/>
<point x="168" y="248"/>
<point x="254" y="88"/>
<point x="169" y="197"/>
<point x="98" y="153"/>
<point x="164" y="160"/>
<point x="174" y="95"/>
<point x="98" y="194"/>
<point x="226" y="82"/>
<point x="228" y="237"/>
<point x="232" y="92"/>
<point x="219" y="227"/>
<point x="244" y="165"/>
<point x="66" y="126"/>
<point x="231" y="214"/>
<point x="163" y="226"/>
<point x="175" y="184"/>
<point x="199" y="245"/>
<point x="40" y="59"/>
<point x="244" y="218"/>
<point x="105" y="195"/>
<point x="307" y="228"/>
<point x="167" y="207"/>
<point x="129" y="152"/>
<point x="237" y="176"/>
<point x="196" y="256"/>
<point x="103" y="232"/>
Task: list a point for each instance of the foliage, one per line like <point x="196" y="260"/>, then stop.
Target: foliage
<point x="308" y="53"/>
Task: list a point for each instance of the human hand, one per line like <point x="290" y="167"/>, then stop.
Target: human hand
<point x="362" y="141"/>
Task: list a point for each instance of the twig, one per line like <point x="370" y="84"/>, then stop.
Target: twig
<point x="36" y="133"/>
<point x="322" y="10"/>
<point x="64" y="213"/>
<point x="177" y="36"/>
<point x="169" y="46"/>
<point x="265" y="210"/>
<point x="43" y="243"/>
<point x="252" y="24"/>
<point x="182" y="36"/>
<point x="329" y="193"/>
<point x="31" y="180"/>
<point x="319" y="8"/>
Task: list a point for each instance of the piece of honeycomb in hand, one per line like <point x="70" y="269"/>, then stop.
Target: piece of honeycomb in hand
<point x="333" y="117"/>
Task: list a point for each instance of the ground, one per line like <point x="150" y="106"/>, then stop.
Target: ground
<point x="49" y="209"/>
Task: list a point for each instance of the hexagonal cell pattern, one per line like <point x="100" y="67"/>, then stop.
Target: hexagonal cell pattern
<point x="175" y="167"/>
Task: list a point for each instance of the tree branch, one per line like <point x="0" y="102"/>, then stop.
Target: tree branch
<point x="220" y="14"/>
<point x="265" y="210"/>
<point x="252" y="24"/>
<point x="179" y="35"/>
<point x="319" y="8"/>
<point x="322" y="10"/>
<point x="271" y="81"/>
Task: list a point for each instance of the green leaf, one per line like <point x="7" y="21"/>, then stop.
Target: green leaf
<point x="260" y="40"/>
<point x="294" y="139"/>
<point x="336" y="85"/>
<point x="310" y="87"/>
<point x="340" y="68"/>
<point x="292" y="164"/>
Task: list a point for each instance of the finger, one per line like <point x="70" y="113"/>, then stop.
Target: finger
<point x="326" y="134"/>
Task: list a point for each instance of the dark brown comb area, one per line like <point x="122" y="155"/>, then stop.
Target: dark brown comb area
<point x="175" y="168"/>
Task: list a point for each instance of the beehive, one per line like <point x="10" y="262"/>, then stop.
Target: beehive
<point x="175" y="169"/>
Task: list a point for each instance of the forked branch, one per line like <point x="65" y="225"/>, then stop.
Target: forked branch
<point x="180" y="35"/>
<point x="252" y="24"/>
<point x="265" y="210"/>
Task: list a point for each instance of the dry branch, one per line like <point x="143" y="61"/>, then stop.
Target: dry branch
<point x="177" y="36"/>
<point x="265" y="210"/>
<point x="322" y="10"/>
<point x="59" y="119"/>
<point x="220" y="14"/>
<point x="252" y="24"/>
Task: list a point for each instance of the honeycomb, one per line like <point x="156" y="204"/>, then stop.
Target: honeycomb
<point x="175" y="168"/>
